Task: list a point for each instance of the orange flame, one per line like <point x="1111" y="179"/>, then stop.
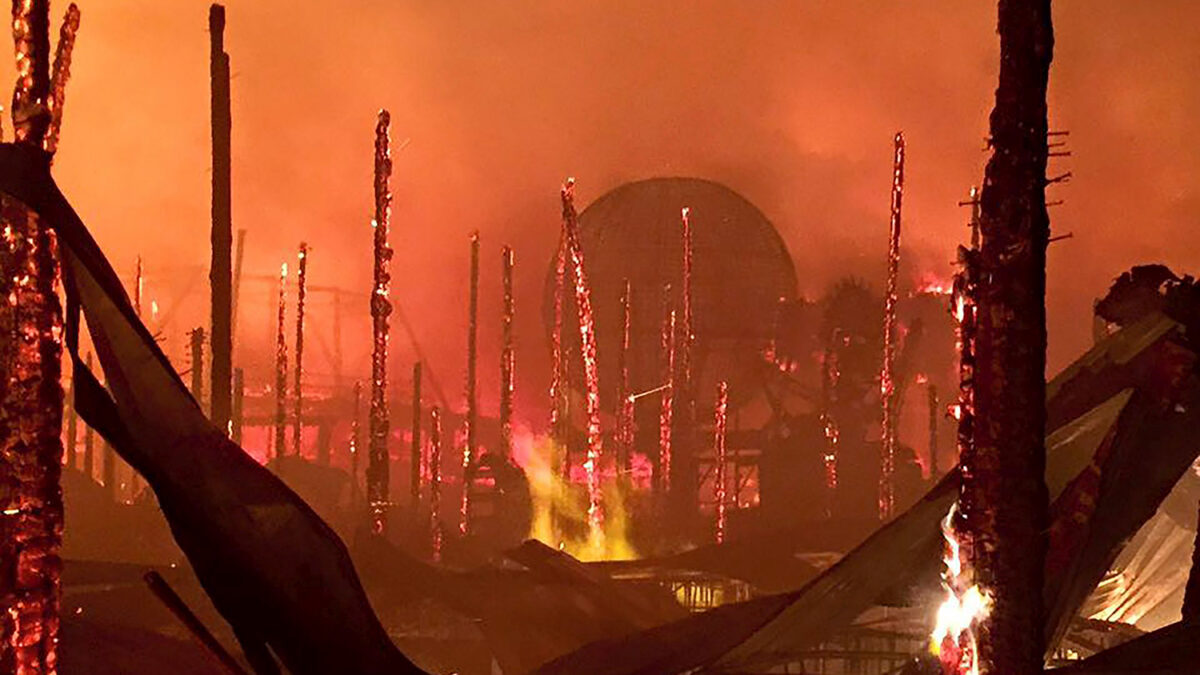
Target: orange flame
<point x="953" y="638"/>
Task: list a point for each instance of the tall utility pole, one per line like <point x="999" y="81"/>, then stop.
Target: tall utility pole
<point x="887" y="386"/>
<point x="1004" y="496"/>
<point x="31" y="400"/>
<point x="221" y="269"/>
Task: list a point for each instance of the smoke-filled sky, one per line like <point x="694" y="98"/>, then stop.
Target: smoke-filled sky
<point x="792" y="103"/>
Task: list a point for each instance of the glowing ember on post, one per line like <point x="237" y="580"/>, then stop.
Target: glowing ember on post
<point x="31" y="452"/>
<point x="297" y="385"/>
<point x="61" y="72"/>
<point x="381" y="308"/>
<point x="953" y="638"/>
<point x="558" y="380"/>
<point x="719" y="426"/>
<point x="508" y="357"/>
<point x="829" y="382"/>
<point x="435" y="481"/>
<point x="281" y="367"/>
<point x="667" y="408"/>
<point x="414" y="453"/>
<point x="472" y="418"/>
<point x="625" y="413"/>
<point x="587" y="339"/>
<point x="887" y="386"/>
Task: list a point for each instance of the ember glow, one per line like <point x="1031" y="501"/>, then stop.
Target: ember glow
<point x="720" y="421"/>
<point x="887" y="385"/>
<point x="381" y="309"/>
<point x="281" y="367"/>
<point x="587" y="340"/>
<point x="953" y="638"/>
<point x="667" y="407"/>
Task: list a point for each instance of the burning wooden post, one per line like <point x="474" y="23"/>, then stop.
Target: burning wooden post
<point x="31" y="402"/>
<point x="830" y="375"/>
<point x="508" y="357"/>
<point x="667" y="405"/>
<point x="414" y="454"/>
<point x="281" y="367"/>
<point x="298" y="383"/>
<point x="435" y="481"/>
<point x="378" y="469"/>
<point x="237" y="423"/>
<point x="1004" y="493"/>
<point x="684" y="482"/>
<point x="196" y="346"/>
<point x="587" y="341"/>
<point x="558" y="380"/>
<point x="625" y="400"/>
<point x="471" y="422"/>
<point x="887" y="384"/>
<point x="221" y="268"/>
<point x="719" y="426"/>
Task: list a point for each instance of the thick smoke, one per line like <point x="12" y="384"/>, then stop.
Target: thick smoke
<point x="793" y="104"/>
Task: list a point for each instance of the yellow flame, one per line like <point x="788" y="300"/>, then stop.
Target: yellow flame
<point x="555" y="501"/>
<point x="964" y="607"/>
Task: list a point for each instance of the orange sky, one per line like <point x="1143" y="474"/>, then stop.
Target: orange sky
<point x="792" y="103"/>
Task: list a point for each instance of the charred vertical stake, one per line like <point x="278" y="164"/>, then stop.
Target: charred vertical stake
<point x="221" y="267"/>
<point x="719" y="425"/>
<point x="281" y="367"/>
<point x="625" y="410"/>
<point x="378" y="469"/>
<point x="508" y="359"/>
<point x="298" y="384"/>
<point x="469" y="458"/>
<point x="558" y="378"/>
<point x="414" y="456"/>
<point x="684" y="482"/>
<point x="355" y="434"/>
<point x="196" y="346"/>
<point x="435" y="482"/>
<point x="887" y="385"/>
<point x="587" y="341"/>
<point x="667" y="407"/>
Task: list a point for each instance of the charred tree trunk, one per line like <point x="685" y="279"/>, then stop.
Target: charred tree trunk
<point x="1004" y="492"/>
<point x="31" y="402"/>
<point x="221" y="269"/>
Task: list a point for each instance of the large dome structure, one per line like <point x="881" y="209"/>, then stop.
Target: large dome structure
<point x="741" y="273"/>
